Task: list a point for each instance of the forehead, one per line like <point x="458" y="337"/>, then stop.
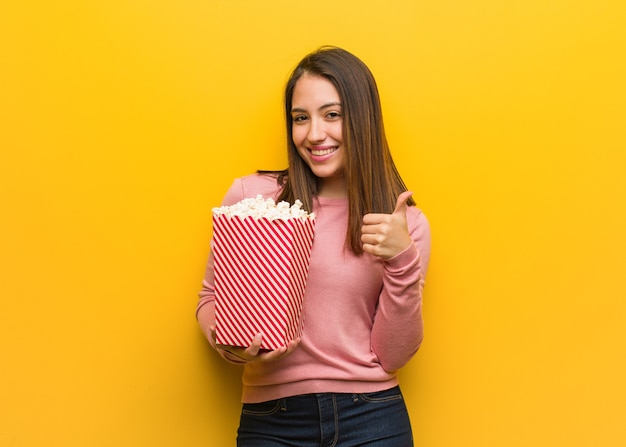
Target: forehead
<point x="314" y="89"/>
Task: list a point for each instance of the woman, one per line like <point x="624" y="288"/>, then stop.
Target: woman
<point x="338" y="384"/>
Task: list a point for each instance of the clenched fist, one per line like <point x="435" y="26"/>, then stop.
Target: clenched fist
<point x="386" y="235"/>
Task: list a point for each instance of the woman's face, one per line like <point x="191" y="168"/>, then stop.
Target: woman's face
<point x="317" y="129"/>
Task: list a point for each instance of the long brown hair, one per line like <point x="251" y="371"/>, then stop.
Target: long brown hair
<point x="372" y="179"/>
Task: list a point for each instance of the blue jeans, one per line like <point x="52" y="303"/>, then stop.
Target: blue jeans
<point x="377" y="419"/>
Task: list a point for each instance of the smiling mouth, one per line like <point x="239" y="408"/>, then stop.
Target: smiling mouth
<point x="325" y="151"/>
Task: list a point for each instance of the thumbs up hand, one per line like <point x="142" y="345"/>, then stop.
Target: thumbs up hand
<point x="386" y="235"/>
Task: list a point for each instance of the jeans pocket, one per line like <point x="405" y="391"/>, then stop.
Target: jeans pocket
<point x="382" y="396"/>
<point x="262" y="408"/>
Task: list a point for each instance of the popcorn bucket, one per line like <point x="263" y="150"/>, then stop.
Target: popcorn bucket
<point x="260" y="267"/>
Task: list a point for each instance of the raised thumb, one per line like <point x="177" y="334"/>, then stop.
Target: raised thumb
<point x="401" y="202"/>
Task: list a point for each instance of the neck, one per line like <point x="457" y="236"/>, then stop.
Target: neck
<point x="333" y="188"/>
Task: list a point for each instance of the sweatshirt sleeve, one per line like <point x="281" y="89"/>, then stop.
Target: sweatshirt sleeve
<point x="205" y="309"/>
<point x="398" y="326"/>
<point x="207" y="295"/>
<point x="240" y="189"/>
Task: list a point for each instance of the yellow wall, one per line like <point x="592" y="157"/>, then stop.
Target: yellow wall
<point x="122" y="123"/>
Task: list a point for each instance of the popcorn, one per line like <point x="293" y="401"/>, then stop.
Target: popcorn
<point x="264" y="208"/>
<point x="261" y="258"/>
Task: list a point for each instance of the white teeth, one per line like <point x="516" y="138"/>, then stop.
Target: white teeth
<point x="323" y="152"/>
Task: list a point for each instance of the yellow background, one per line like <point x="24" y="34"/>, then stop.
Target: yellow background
<point x="124" y="121"/>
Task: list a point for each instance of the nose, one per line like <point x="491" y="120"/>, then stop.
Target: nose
<point x="317" y="131"/>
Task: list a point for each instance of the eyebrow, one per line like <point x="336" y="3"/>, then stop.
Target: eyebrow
<point x="325" y="106"/>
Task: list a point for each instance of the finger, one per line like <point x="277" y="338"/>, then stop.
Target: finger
<point x="237" y="352"/>
<point x="369" y="248"/>
<point x="255" y="346"/>
<point x="280" y="352"/>
<point x="374" y="218"/>
<point x="293" y="344"/>
<point x="401" y="202"/>
<point x="272" y="355"/>
<point x="212" y="332"/>
<point x="370" y="229"/>
<point x="370" y="239"/>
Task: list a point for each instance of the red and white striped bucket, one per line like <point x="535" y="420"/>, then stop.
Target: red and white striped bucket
<point x="261" y="267"/>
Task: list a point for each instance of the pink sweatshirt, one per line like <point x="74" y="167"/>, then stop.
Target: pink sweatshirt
<point x="362" y="315"/>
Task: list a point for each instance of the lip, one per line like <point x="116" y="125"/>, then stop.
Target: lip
<point x="322" y="153"/>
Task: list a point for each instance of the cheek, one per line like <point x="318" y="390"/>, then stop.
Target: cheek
<point x="337" y="132"/>
<point x="297" y="135"/>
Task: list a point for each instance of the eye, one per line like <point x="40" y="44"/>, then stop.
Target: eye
<point x="299" y="118"/>
<point x="333" y="115"/>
